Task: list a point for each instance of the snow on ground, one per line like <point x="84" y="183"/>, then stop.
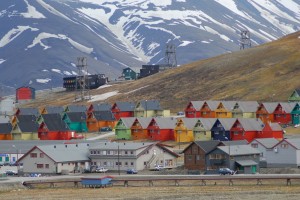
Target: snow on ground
<point x="104" y="96"/>
<point x="56" y="70"/>
<point x="103" y="86"/>
<point x="185" y="43"/>
<point x="43" y="80"/>
<point x="67" y="73"/>
<point x="32" y="12"/>
<point x="14" y="33"/>
<point x="206" y="42"/>
<point x="2" y="61"/>
<point x="136" y="89"/>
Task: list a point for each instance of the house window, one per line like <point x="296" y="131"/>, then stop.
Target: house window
<point x="98" y="152"/>
<point x="104" y="163"/>
<point x="126" y="163"/>
<point x="33" y="155"/>
<point x="47" y="166"/>
<point x="189" y="157"/>
<point x="145" y="163"/>
<point x="131" y="163"/>
<point x="42" y="155"/>
<point x="40" y="166"/>
<point x="212" y="156"/>
<point x="131" y="152"/>
<point x="126" y="152"/>
<point x="198" y="157"/>
<point x="284" y="146"/>
<point x="103" y="152"/>
<point x="91" y="152"/>
<point x="254" y="145"/>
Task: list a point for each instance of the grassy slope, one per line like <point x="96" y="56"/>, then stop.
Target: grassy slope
<point x="269" y="72"/>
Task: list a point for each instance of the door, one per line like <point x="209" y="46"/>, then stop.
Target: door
<point x="253" y="169"/>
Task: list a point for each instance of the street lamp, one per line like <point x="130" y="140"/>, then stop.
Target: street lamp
<point x="228" y="150"/>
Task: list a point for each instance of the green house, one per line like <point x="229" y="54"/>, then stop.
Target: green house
<point x="295" y="96"/>
<point x="295" y="114"/>
<point x="123" y="128"/>
<point x="202" y="129"/>
<point x="130" y="73"/>
<point x="76" y="121"/>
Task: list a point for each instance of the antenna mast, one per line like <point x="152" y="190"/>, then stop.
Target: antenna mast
<point x="170" y="55"/>
<point x="82" y="85"/>
<point x="245" y="39"/>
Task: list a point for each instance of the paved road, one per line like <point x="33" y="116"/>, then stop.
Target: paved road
<point x="103" y="135"/>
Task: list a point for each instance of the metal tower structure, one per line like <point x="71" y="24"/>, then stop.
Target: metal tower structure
<point x="170" y="55"/>
<point x="82" y="85"/>
<point x="245" y="39"/>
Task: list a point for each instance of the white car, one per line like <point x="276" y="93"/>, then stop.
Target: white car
<point x="101" y="170"/>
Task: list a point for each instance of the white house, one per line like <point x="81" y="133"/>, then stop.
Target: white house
<point x="265" y="146"/>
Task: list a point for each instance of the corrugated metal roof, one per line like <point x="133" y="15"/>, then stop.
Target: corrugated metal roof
<point x="104" y="115"/>
<point x="28" y="126"/>
<point x="5" y="128"/>
<point x="144" y="121"/>
<point x="251" y="124"/>
<point x="234" y="142"/>
<point x="125" y="106"/>
<point x="267" y="142"/>
<point x="246" y="162"/>
<point x="228" y="105"/>
<point x="28" y="111"/>
<point x="76" y="108"/>
<point x="120" y="145"/>
<point x="54" y="122"/>
<point x="236" y="150"/>
<point x="102" y="107"/>
<point x="150" y="105"/>
<point x="26" y="118"/>
<point x="294" y="141"/>
<point x="54" y="109"/>
<point x="76" y="116"/>
<point x="275" y="126"/>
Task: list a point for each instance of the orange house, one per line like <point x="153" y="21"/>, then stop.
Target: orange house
<point x="265" y="112"/>
<point x="5" y="131"/>
<point x="139" y="129"/>
<point x="98" y="119"/>
<point x="224" y="109"/>
<point x="208" y="109"/>
<point x="193" y="109"/>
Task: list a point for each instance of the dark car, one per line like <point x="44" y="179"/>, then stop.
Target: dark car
<point x="224" y="171"/>
<point x="131" y="171"/>
<point x="11" y="173"/>
<point x="105" y="129"/>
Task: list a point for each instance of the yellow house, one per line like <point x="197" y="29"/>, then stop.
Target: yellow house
<point x="224" y="109"/>
<point x="150" y="108"/>
<point x="25" y="131"/>
<point x="245" y="109"/>
<point x="183" y="131"/>
<point x="202" y="129"/>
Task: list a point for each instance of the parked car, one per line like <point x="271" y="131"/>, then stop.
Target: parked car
<point x="224" y="171"/>
<point x="131" y="171"/>
<point x="180" y="113"/>
<point x="158" y="167"/>
<point x="101" y="170"/>
<point x="105" y="129"/>
<point x="11" y="173"/>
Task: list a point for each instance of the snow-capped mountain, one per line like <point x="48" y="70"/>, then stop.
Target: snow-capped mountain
<point x="40" y="40"/>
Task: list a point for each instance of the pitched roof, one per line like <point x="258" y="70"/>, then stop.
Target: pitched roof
<point x="207" y="146"/>
<point x="228" y="105"/>
<point x="197" y="104"/>
<point x="104" y="115"/>
<point x="248" y="106"/>
<point x="128" y="121"/>
<point x="275" y="126"/>
<point x="166" y="122"/>
<point x="28" y="126"/>
<point x="266" y="142"/>
<point x="236" y="150"/>
<point x="76" y="116"/>
<point x="5" y="128"/>
<point x="125" y="106"/>
<point x="144" y="121"/>
<point x="293" y="141"/>
<point x="287" y="106"/>
<point x="150" y="104"/>
<point x="102" y="107"/>
<point x="28" y="111"/>
<point x="227" y="122"/>
<point x="246" y="162"/>
<point x="213" y="105"/>
<point x="76" y="108"/>
<point x="26" y="118"/>
<point x="207" y="122"/>
<point x="234" y="142"/>
<point x="270" y="106"/>
<point x="189" y="122"/>
<point x="54" y="122"/>
<point x="120" y="145"/>
<point x="54" y="109"/>
<point x="251" y="124"/>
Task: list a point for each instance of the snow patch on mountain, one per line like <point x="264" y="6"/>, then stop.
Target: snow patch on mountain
<point x="32" y="12"/>
<point x="13" y="34"/>
<point x="43" y="80"/>
<point x="2" y="61"/>
<point x="185" y="43"/>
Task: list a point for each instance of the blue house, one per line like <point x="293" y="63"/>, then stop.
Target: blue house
<point x="221" y="129"/>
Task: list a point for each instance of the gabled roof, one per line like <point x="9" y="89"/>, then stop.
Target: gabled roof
<point x="54" y="109"/>
<point x="28" y="126"/>
<point x="197" y="104"/>
<point x="234" y="142"/>
<point x="206" y="146"/>
<point x="64" y="152"/>
<point x="266" y="142"/>
<point x="189" y="122"/>
<point x="150" y="104"/>
<point x="165" y="122"/>
<point x="5" y="128"/>
<point x="125" y="106"/>
<point x="102" y="107"/>
<point x="228" y="105"/>
<point x="227" y="122"/>
<point x="275" y="126"/>
<point x="270" y="106"/>
<point x="54" y="122"/>
<point x="120" y="145"/>
<point x="135" y="69"/>
<point x="295" y="142"/>
<point x="104" y="115"/>
<point x="237" y="150"/>
<point x="213" y="105"/>
<point x="76" y="116"/>
<point x="144" y="121"/>
<point x="28" y="111"/>
<point x="127" y="121"/>
<point x="207" y="122"/>
<point x="26" y="118"/>
<point x="76" y="108"/>
<point x="288" y="106"/>
<point x="251" y="124"/>
<point x="248" y="106"/>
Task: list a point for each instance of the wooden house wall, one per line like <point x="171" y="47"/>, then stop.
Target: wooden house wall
<point x="194" y="158"/>
<point x="4" y="136"/>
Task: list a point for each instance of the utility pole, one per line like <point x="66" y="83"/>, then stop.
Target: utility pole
<point x="245" y="39"/>
<point x="82" y="84"/>
<point x="118" y="158"/>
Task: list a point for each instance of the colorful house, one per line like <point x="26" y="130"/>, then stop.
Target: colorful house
<point x="123" y="128"/>
<point x="265" y="111"/>
<point x="5" y="131"/>
<point x="130" y="73"/>
<point x="53" y="127"/>
<point x="75" y="108"/>
<point x="208" y="109"/>
<point x="221" y="129"/>
<point x="76" y="121"/>
<point x="244" y="109"/>
<point x="98" y="119"/>
<point x="161" y="129"/>
<point x="282" y="113"/>
<point x="25" y="127"/>
<point x="202" y="129"/>
<point x="139" y="127"/>
<point x="296" y="114"/>
<point x="184" y="129"/>
<point x="123" y="109"/>
<point x="150" y="108"/>
<point x="224" y="108"/>
<point x="52" y="109"/>
<point x="192" y="110"/>
<point x="27" y="111"/>
<point x="99" y="107"/>
<point x="295" y="96"/>
<point x="271" y="130"/>
<point x="246" y="129"/>
<point x="25" y="94"/>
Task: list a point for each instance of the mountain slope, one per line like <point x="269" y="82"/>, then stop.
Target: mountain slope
<point x="268" y="72"/>
<point x="41" y="39"/>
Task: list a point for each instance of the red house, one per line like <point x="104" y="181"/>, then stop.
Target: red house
<point x="25" y="93"/>
<point x="193" y="109"/>
<point x="265" y="112"/>
<point x="246" y="129"/>
<point x="161" y="129"/>
<point x="271" y="130"/>
<point x="54" y="128"/>
<point x="99" y="107"/>
<point x="208" y="109"/>
<point x="123" y="109"/>
<point x="282" y="113"/>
